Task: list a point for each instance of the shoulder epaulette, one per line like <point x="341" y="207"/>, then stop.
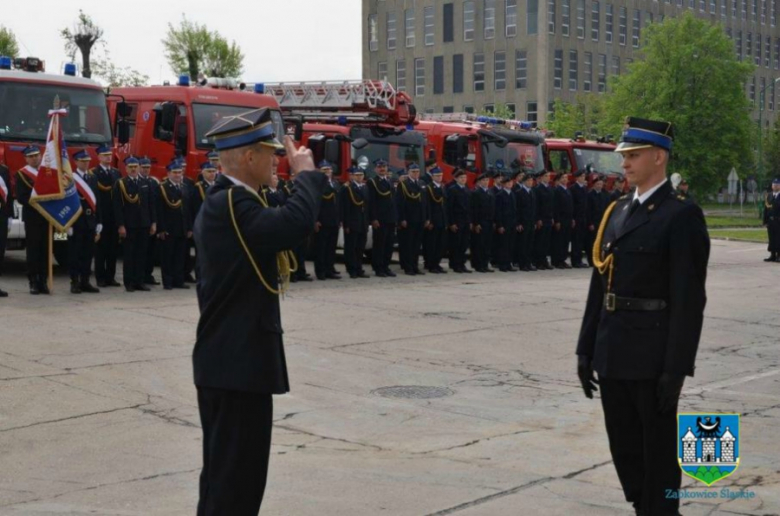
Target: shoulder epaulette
<point x="623" y="197"/>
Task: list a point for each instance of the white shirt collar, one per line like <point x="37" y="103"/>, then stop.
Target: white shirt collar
<point x="645" y="196"/>
<point x="239" y="183"/>
<point x="438" y="185"/>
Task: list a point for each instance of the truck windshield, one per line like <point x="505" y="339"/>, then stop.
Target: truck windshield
<point x="398" y="150"/>
<point x="206" y="115"/>
<point x="24" y="111"/>
<point x="604" y="161"/>
<point x="515" y="155"/>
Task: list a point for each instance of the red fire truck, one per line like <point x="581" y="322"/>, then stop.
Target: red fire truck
<point x="26" y="96"/>
<point x="567" y="156"/>
<point x="171" y="121"/>
<point x="481" y="144"/>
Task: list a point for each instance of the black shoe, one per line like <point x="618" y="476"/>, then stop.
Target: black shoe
<point x="101" y="283"/>
<point x="532" y="268"/>
<point x="771" y="259"/>
<point x="293" y="279"/>
<point x="565" y="265"/>
<point x="390" y="274"/>
<point x="440" y="270"/>
<point x="142" y="288"/>
<point x="488" y="269"/>
<point x="333" y="275"/>
<point x="151" y="281"/>
<point x="579" y="266"/>
<point x="189" y="279"/>
<point x="3" y="293"/>
<point x="321" y="277"/>
<point x="353" y="276"/>
<point x="75" y="287"/>
<point x="362" y="275"/>
<point x="434" y="271"/>
<point x="129" y="288"/>
<point x="377" y="274"/>
<point x="419" y="272"/>
<point x="465" y="270"/>
<point x="410" y="273"/>
<point x="167" y="287"/>
<point x="305" y="278"/>
<point x="182" y="286"/>
<point x="113" y="283"/>
<point x="43" y="288"/>
<point x="87" y="287"/>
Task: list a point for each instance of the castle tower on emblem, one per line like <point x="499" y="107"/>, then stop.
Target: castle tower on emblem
<point x="710" y="446"/>
<point x="727" y="446"/>
<point x="689" y="446"/>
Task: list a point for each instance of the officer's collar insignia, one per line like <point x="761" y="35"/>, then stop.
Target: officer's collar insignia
<point x="609" y="244"/>
<point x="625" y="207"/>
<point x="681" y="197"/>
<point x="708" y="445"/>
<point x="651" y="207"/>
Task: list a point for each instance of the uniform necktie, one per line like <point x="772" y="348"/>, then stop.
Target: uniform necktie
<point x="634" y="206"/>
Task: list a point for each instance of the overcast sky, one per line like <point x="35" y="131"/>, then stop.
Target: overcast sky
<point x="282" y="40"/>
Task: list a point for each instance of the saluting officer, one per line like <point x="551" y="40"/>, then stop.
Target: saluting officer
<point x="506" y="223"/>
<point x="526" y="219"/>
<point x="544" y="221"/>
<point x="86" y="231"/>
<point x="106" y="250"/>
<point x="36" y="227"/>
<point x="459" y="220"/>
<point x="353" y="197"/>
<point x="483" y="215"/>
<point x="383" y="216"/>
<point x="6" y="211"/>
<point x="152" y="249"/>
<point x="326" y="229"/>
<point x="436" y="229"/>
<point x="643" y="318"/>
<point x="598" y="200"/>
<point x="136" y="219"/>
<point x="579" y="233"/>
<point x="239" y="358"/>
<point x="174" y="216"/>
<point x="772" y="221"/>
<point x="413" y="217"/>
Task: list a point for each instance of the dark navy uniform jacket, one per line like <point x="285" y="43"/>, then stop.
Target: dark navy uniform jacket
<point x="173" y="219"/>
<point x="412" y="203"/>
<point x="563" y="205"/>
<point x="458" y="206"/>
<point x="526" y="208"/>
<point x="597" y="204"/>
<point x="436" y="205"/>
<point x="354" y="210"/>
<point x="89" y="218"/>
<point x="506" y="211"/>
<point x="239" y="336"/>
<point x="131" y="211"/>
<point x="544" y="204"/>
<point x="329" y="215"/>
<point x="579" y="197"/>
<point x="381" y="201"/>
<point x="483" y="208"/>
<point x="661" y="252"/>
<point x="106" y="178"/>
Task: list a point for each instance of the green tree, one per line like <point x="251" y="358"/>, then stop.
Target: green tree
<point x="8" y="45"/>
<point x="771" y="151"/>
<point x="192" y="48"/>
<point x="83" y="37"/>
<point x="114" y="76"/>
<point x="690" y="77"/>
<point x="500" y="110"/>
<point x="585" y="114"/>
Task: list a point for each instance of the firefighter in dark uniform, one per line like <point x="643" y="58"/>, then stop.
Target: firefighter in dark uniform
<point x="459" y="221"/>
<point x="526" y="219"/>
<point x="6" y="211"/>
<point x="543" y="194"/>
<point x="208" y="174"/>
<point x="682" y="191"/>
<point x="106" y="249"/>
<point x="598" y="200"/>
<point x="426" y="177"/>
<point x="643" y="318"/>
<point x="494" y="190"/>
<point x="85" y="232"/>
<point x="506" y="223"/>
<point x="772" y="221"/>
<point x="413" y="217"/>
<point x="483" y="215"/>
<point x="174" y="228"/>
<point x="617" y="188"/>
<point x="437" y="227"/>
<point x="135" y="216"/>
<point x="383" y="217"/>
<point x="239" y="360"/>
<point x="36" y="227"/>
<point x="326" y="229"/>
<point x="273" y="195"/>
<point x="300" y="250"/>
<point x="353" y="199"/>
<point x="190" y="191"/>
<point x="152" y="249"/>
<point x="579" y="233"/>
<point x="563" y="223"/>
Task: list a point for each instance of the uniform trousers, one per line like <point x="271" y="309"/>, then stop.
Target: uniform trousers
<point x="434" y="247"/>
<point x="325" y="242"/>
<point x="81" y="247"/>
<point x="354" y="245"/>
<point x="382" y="246"/>
<point x="36" y="230"/>
<point x="106" y="253"/>
<point x="174" y="256"/>
<point x="134" y="264"/>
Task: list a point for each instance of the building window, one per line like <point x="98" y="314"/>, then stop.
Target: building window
<point x="400" y="75"/>
<point x="763" y="93"/>
<point x="373" y="34"/>
<point x="648" y="18"/>
<point x="409" y="27"/>
<point x="531" y="114"/>
<point x="468" y="109"/>
<point x="457" y="73"/>
<point x="763" y="12"/>
<point x="428" y="26"/>
<point x="438" y="75"/>
<point x="565" y="17"/>
<point x="753" y="91"/>
<point x="468" y="21"/>
<point x="749" y="46"/>
<point x="391" y="32"/>
<point x="558" y="70"/>
<point x="739" y="45"/>
<point x="702" y="6"/>
<point x="521" y="69"/>
<point x="754" y="10"/>
<point x="572" y="70"/>
<point x="489" y="108"/>
<point x="772" y="13"/>
<point x="587" y="78"/>
<point x="448" y="31"/>
<point x="734" y="9"/>
<point x="768" y="52"/>
<point x="615" y="65"/>
<point x="757" y="60"/>
<point x="510" y="16"/>
<point x="419" y="77"/>
<point x="623" y="22"/>
<point x="609" y="22"/>
<point x="581" y="19"/>
<point x="635" y="28"/>
<point x="499" y="70"/>
<point x="512" y="108"/>
<point x="532" y="16"/>
<point x="595" y="16"/>
<point x="772" y="96"/>
<point x="382" y="71"/>
<point x="744" y="9"/>
<point x="551" y="16"/>
<point x="448" y="109"/>
<point x="602" y="73"/>
<point x="777" y="53"/>
<point x="479" y="72"/>
<point x="489" y="27"/>
<point x="723" y="9"/>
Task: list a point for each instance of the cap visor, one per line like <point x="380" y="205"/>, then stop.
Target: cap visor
<point x="627" y="146"/>
<point x="273" y="143"/>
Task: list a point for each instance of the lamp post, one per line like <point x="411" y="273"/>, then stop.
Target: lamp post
<point x="761" y="129"/>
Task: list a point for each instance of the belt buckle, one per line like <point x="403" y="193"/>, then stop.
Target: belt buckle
<point x="609" y="302"/>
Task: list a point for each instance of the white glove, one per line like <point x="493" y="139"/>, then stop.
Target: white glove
<point x="98" y="229"/>
<point x="70" y="231"/>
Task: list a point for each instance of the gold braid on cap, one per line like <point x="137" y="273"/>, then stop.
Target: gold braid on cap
<point x="285" y="260"/>
<point x="607" y="264"/>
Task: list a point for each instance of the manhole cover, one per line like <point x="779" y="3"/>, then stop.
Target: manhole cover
<point x="420" y="392"/>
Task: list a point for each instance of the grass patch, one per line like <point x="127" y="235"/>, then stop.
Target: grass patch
<point x="726" y="221"/>
<point x="750" y="235"/>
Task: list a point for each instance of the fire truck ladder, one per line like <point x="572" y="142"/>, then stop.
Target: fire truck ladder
<point x="517" y="125"/>
<point x="343" y="101"/>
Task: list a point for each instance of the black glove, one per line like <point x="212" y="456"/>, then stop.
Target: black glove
<point x="668" y="391"/>
<point x="585" y="372"/>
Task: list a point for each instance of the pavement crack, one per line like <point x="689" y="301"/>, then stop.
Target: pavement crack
<point x="477" y="441"/>
<point x="165" y="416"/>
<point x="325" y="437"/>
<point x="79" y="416"/>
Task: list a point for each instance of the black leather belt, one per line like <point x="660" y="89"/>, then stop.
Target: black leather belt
<point x="613" y="302"/>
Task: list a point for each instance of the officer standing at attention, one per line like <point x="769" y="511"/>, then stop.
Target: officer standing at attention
<point x="135" y="216"/>
<point x="36" y="227"/>
<point x="563" y="223"/>
<point x="326" y="229"/>
<point x="506" y="224"/>
<point x="152" y="249"/>
<point x="174" y="228"/>
<point x="354" y="212"/>
<point x="6" y="211"/>
<point x="459" y="220"/>
<point x="106" y="250"/>
<point x="412" y="219"/>
<point x="435" y="231"/>
<point x="579" y="234"/>
<point x="643" y="318"/>
<point x="772" y="221"/>
<point x="239" y="360"/>
<point x="544" y="221"/>
<point x="383" y="217"/>
<point x="617" y="188"/>
<point x="598" y="199"/>
<point x="526" y="219"/>
<point x="208" y="174"/>
<point x="86" y="233"/>
<point x="483" y="214"/>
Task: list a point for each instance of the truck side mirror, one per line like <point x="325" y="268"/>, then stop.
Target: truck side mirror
<point x="332" y="151"/>
<point x="168" y="113"/>
<point x="123" y="131"/>
<point x="360" y="143"/>
<point x="432" y="155"/>
<point x="123" y="109"/>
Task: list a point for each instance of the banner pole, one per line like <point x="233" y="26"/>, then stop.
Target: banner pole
<point x="50" y="280"/>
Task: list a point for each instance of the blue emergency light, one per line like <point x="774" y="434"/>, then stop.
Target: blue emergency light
<point x="342" y="120"/>
<point x="5" y="63"/>
<point x="70" y="69"/>
<point x="259" y="88"/>
<point x="184" y="80"/>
